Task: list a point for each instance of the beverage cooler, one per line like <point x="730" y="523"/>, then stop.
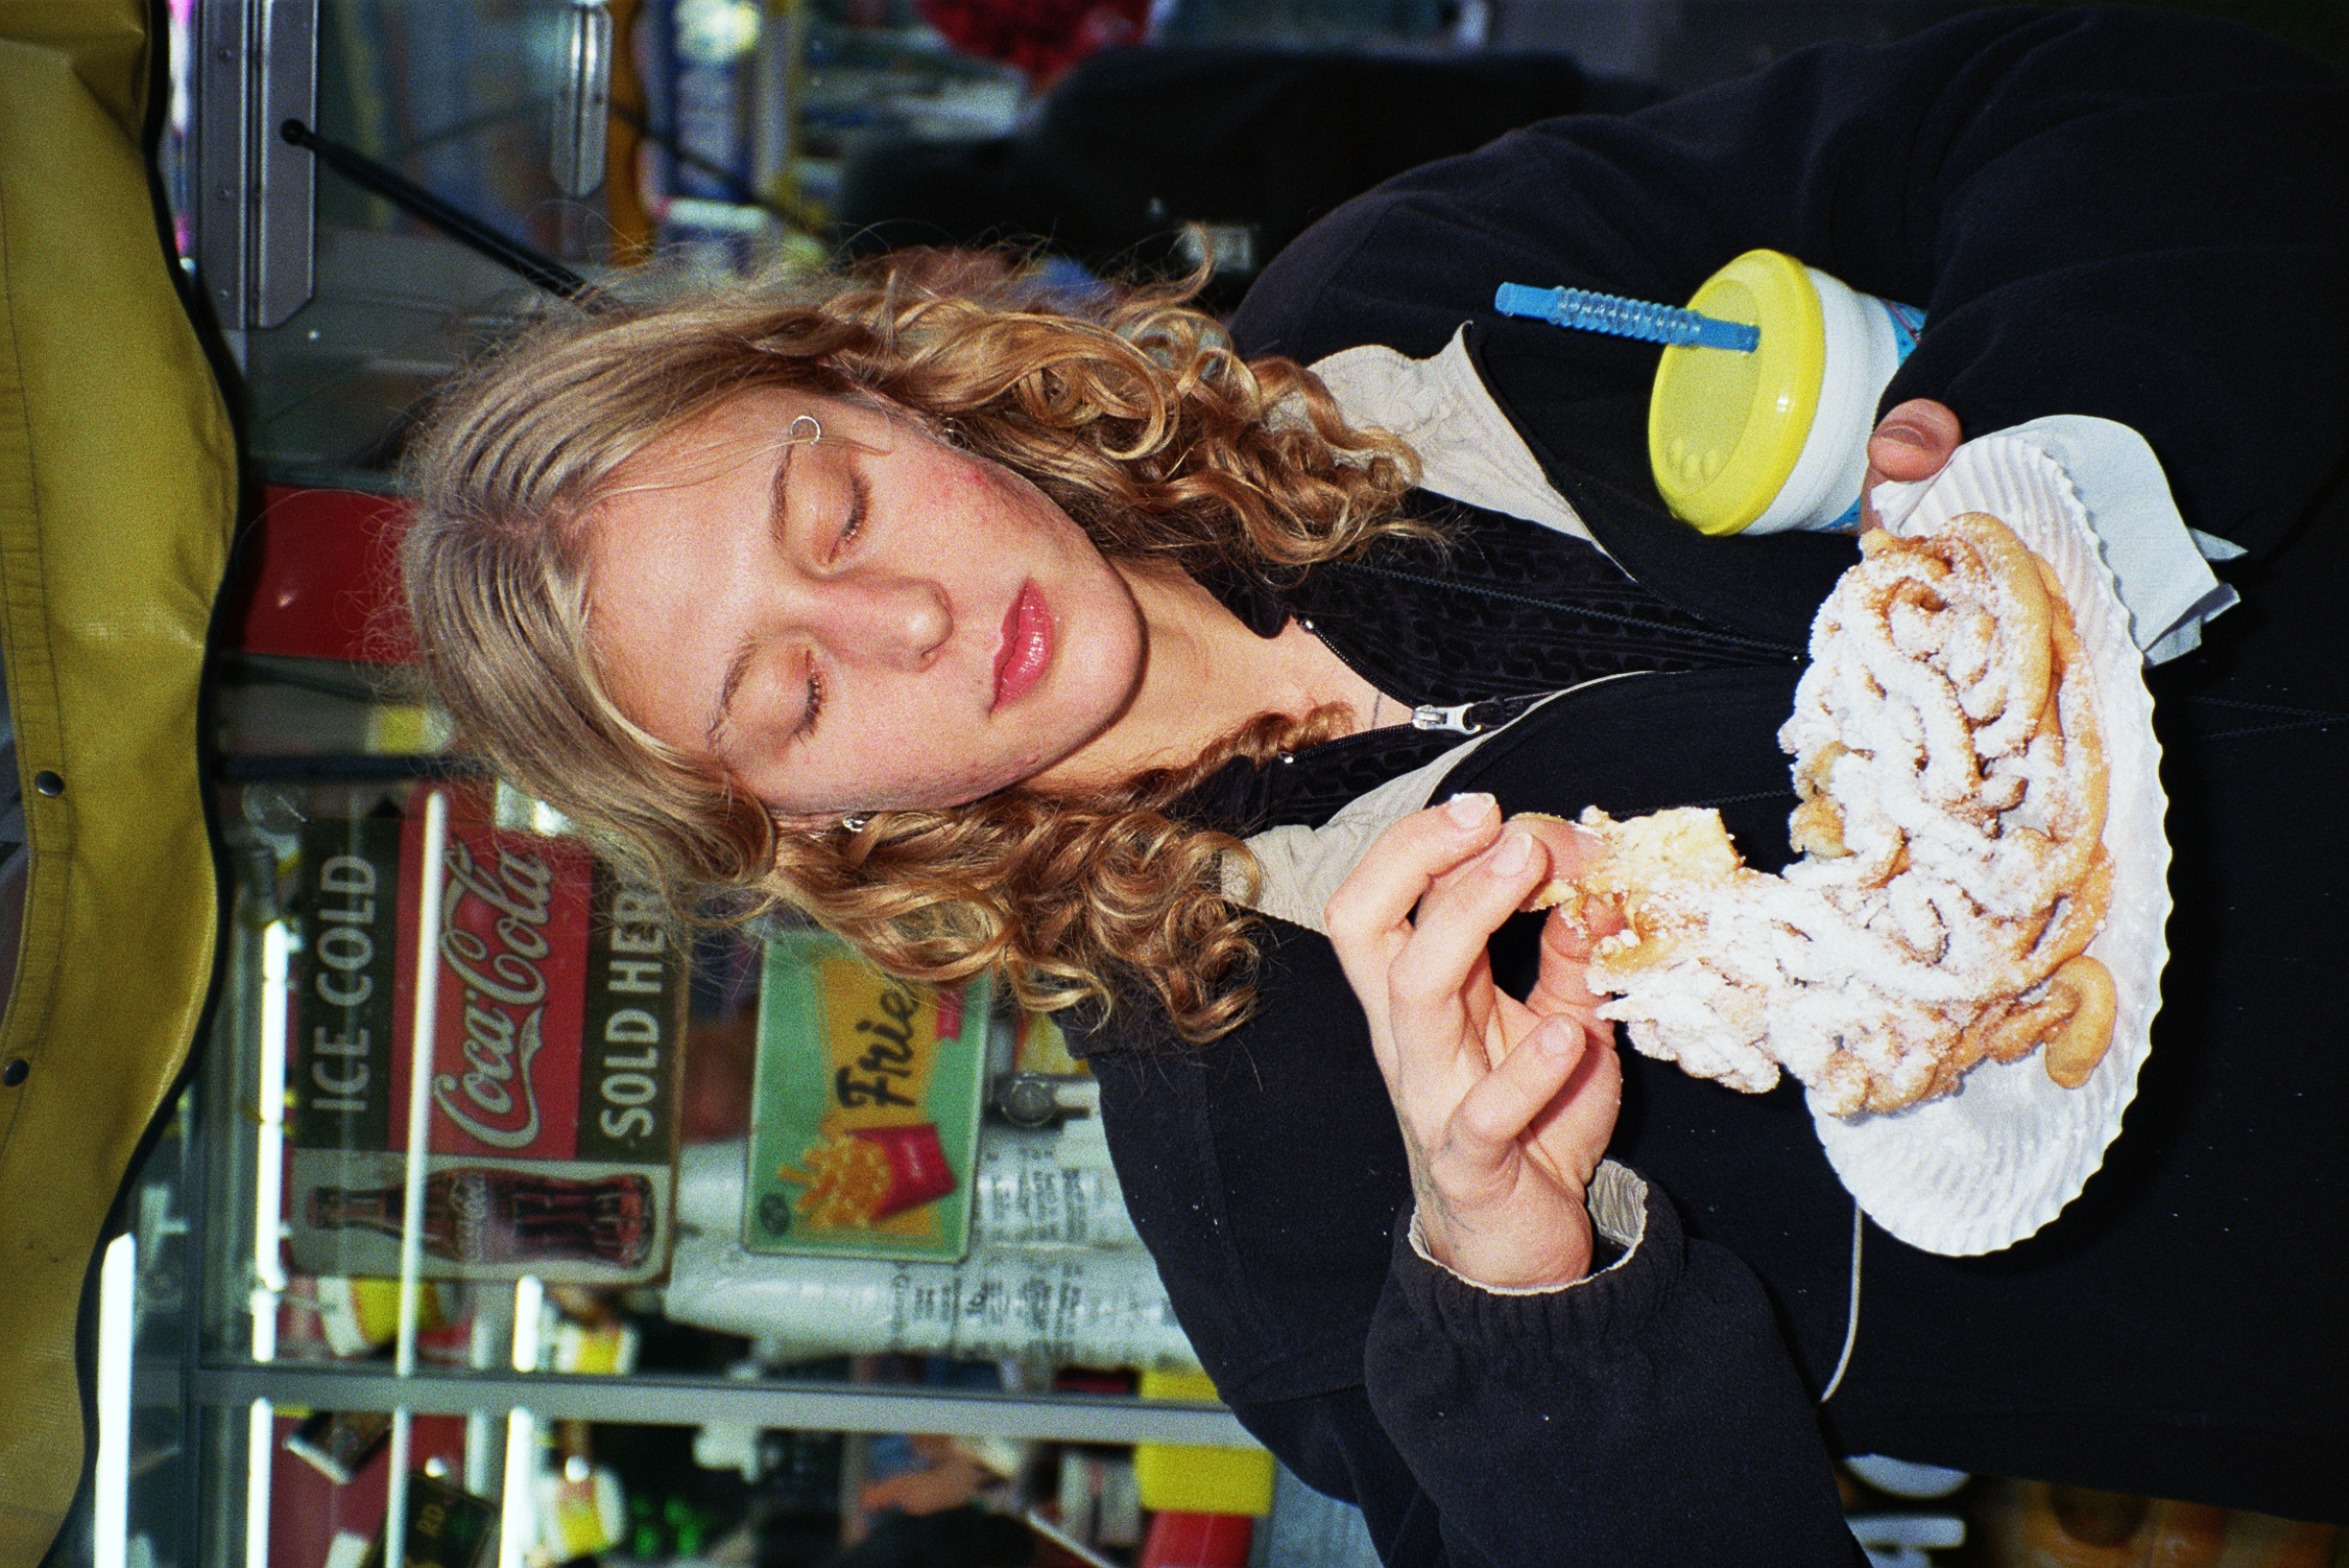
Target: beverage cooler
<point x="370" y="1153"/>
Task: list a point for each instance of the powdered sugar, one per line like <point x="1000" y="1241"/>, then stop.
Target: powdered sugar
<point x="1957" y="812"/>
<point x="1977" y="1169"/>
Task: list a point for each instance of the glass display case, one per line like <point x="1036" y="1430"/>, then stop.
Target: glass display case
<point x="333" y="1317"/>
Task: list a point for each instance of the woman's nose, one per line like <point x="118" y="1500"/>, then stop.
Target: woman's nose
<point x="900" y="622"/>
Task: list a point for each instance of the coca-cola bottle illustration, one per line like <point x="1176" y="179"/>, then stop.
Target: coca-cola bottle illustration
<point x="475" y="1214"/>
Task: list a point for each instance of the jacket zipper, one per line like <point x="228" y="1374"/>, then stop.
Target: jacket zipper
<point x="1472" y="717"/>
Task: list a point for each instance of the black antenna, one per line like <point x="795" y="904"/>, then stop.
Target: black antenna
<point x="544" y="272"/>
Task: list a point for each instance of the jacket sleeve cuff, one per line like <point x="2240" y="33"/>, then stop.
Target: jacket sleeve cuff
<point x="1617" y="1202"/>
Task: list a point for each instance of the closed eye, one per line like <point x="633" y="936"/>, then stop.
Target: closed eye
<point x="859" y="499"/>
<point x="813" y="709"/>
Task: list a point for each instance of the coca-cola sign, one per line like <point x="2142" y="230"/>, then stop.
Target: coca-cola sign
<point x="511" y="951"/>
<point x="557" y="1003"/>
<point x="503" y="1001"/>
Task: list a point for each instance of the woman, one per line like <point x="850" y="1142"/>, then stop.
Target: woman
<point x="986" y="633"/>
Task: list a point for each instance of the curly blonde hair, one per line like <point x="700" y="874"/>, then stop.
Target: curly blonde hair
<point x="1131" y="412"/>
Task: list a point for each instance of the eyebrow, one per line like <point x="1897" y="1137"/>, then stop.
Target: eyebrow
<point x="735" y="673"/>
<point x="740" y="666"/>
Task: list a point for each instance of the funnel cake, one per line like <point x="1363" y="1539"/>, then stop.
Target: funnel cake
<point x="1952" y="777"/>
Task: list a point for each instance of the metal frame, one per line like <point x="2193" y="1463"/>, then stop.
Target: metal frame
<point x="253" y="193"/>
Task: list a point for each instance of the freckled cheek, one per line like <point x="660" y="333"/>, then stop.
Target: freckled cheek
<point x="961" y="778"/>
<point x="998" y="489"/>
<point x="968" y="480"/>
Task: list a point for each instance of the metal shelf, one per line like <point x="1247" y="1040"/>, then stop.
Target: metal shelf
<point x="696" y="1402"/>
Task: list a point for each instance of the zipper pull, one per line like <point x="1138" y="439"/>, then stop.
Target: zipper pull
<point x="1427" y="715"/>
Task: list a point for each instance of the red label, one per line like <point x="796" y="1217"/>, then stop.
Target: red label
<point x="511" y="951"/>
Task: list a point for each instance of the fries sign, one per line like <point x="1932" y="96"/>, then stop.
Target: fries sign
<point x="865" y="1116"/>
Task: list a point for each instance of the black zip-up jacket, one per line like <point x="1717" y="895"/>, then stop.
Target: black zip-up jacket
<point x="2113" y="213"/>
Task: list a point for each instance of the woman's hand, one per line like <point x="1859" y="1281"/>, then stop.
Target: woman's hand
<point x="1505" y="1107"/>
<point x="1911" y="442"/>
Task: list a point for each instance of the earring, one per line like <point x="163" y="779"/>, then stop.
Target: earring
<point x="949" y="430"/>
<point x="855" y="824"/>
<point x="815" y="430"/>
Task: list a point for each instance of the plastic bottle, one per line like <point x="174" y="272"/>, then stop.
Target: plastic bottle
<point x="1777" y="438"/>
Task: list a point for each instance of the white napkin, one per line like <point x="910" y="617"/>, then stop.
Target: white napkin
<point x="2161" y="566"/>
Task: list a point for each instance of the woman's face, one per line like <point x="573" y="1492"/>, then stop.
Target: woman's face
<point x="865" y="620"/>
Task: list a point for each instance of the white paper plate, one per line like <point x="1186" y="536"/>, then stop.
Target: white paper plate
<point x="1984" y="1167"/>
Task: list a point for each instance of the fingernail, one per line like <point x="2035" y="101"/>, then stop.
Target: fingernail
<point x="1469" y="809"/>
<point x="1908" y="435"/>
<point x="1557" y="1035"/>
<point x="1513" y="854"/>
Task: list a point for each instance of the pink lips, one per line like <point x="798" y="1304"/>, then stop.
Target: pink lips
<point x="1027" y="646"/>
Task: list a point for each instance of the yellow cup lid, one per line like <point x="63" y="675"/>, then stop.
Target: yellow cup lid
<point x="1723" y="429"/>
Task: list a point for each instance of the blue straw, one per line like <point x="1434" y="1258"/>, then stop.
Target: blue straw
<point x="1611" y="313"/>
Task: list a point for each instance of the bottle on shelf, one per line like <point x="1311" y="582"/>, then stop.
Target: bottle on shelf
<point x="479" y="1215"/>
